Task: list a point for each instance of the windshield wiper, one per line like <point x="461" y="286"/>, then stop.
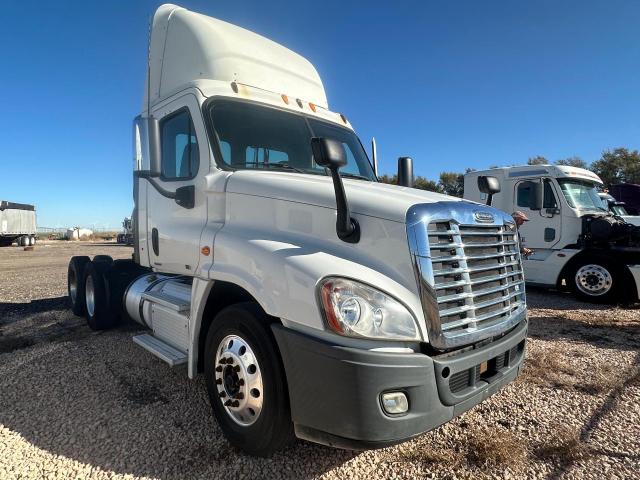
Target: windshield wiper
<point x="354" y="175"/>
<point x="281" y="166"/>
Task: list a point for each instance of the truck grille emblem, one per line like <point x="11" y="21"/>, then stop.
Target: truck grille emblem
<point x="483" y="217"/>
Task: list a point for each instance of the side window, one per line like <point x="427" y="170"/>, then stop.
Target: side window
<point x="523" y="193"/>
<point x="549" y="198"/>
<point x="180" y="153"/>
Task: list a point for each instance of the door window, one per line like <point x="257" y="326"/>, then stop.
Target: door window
<point x="523" y="194"/>
<point x="549" y="198"/>
<point x="180" y="153"/>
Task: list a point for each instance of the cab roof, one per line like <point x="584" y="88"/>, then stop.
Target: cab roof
<point x="556" y="171"/>
<point x="186" y="47"/>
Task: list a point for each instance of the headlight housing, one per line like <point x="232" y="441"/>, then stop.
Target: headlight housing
<point x="355" y="309"/>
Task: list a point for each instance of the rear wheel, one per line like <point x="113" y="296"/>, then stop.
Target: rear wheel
<point x="245" y="380"/>
<point x="76" y="284"/>
<point x="103" y="258"/>
<point x="100" y="315"/>
<point x="596" y="280"/>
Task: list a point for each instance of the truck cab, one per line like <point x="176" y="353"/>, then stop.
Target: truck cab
<point x="576" y="241"/>
<point x="315" y="300"/>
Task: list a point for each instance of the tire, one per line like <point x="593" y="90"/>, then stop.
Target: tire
<point x="103" y="258"/>
<point x="33" y="241"/>
<point x="75" y="284"/>
<point x="100" y="315"/>
<point x="258" y="384"/>
<point x="596" y="280"/>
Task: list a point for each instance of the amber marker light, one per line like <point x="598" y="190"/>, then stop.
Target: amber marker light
<point x="285" y="99"/>
<point x="206" y="251"/>
<point x="329" y="309"/>
<point x="312" y="107"/>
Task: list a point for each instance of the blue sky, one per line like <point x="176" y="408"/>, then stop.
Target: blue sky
<point x="453" y="84"/>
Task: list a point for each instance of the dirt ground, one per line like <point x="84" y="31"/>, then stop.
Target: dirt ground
<point x="81" y="404"/>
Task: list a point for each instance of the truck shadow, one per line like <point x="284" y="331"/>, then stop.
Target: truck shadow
<point x="98" y="399"/>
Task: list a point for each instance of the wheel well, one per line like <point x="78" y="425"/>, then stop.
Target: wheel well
<point x="222" y="295"/>
<point x="585" y="255"/>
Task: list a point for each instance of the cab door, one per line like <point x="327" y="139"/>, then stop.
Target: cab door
<point x="542" y="231"/>
<point x="176" y="203"/>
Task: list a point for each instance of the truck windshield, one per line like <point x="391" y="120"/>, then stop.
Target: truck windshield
<point x="581" y="194"/>
<point x="252" y="136"/>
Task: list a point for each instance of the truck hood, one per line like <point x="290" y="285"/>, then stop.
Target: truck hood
<point x="374" y="199"/>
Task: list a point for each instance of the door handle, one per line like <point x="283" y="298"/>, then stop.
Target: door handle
<point x="155" y="242"/>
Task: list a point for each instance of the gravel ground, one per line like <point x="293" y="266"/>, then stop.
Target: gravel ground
<point x="80" y="404"/>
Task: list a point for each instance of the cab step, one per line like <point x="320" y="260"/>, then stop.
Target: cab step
<point x="161" y="349"/>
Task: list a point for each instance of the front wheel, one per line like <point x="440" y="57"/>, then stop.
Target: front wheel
<point x="245" y="381"/>
<point x="596" y="280"/>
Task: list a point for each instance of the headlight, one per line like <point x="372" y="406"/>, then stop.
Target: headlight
<point x="357" y="310"/>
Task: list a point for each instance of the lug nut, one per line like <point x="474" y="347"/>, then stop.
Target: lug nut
<point x="236" y="368"/>
<point x="235" y="404"/>
<point x="239" y="395"/>
<point x="219" y="381"/>
<point x="218" y="368"/>
<point x="223" y="394"/>
<point x="227" y="403"/>
<point x="241" y="382"/>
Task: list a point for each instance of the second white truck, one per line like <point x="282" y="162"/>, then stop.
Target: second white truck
<point x="577" y="243"/>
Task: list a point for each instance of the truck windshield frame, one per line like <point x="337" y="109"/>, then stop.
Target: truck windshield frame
<point x="581" y="194"/>
<point x="248" y="135"/>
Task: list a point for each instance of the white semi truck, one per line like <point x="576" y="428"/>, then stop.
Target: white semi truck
<point x="17" y="224"/>
<point x="577" y="243"/>
<point x="315" y="300"/>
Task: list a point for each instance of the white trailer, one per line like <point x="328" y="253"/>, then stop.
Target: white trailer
<point x="577" y="243"/>
<point x="17" y="224"/>
<point x="315" y="300"/>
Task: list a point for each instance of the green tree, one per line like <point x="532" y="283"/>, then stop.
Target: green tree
<point x="572" y="162"/>
<point x="392" y="179"/>
<point x="618" y="166"/>
<point x="538" y="160"/>
<point x="419" y="182"/>
<point x="426" y="184"/>
<point x="451" y="183"/>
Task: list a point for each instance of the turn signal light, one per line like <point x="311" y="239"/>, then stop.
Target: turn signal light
<point x="285" y="99"/>
<point x="312" y="107"/>
<point x="205" y="251"/>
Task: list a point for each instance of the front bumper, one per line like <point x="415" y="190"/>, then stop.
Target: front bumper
<point x="335" y="391"/>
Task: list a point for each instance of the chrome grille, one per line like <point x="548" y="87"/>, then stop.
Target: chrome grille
<point x="477" y="274"/>
<point x="467" y="263"/>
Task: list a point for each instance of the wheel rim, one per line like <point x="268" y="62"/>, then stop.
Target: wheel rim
<point x="73" y="286"/>
<point x="594" y="280"/>
<point x="239" y="380"/>
<point x="89" y="293"/>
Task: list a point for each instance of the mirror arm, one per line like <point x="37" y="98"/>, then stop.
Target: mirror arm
<point x="489" y="199"/>
<point x="347" y="228"/>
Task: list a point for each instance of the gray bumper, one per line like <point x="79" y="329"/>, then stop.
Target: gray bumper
<point x="335" y="390"/>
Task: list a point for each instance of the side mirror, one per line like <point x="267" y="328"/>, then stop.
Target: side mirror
<point x="535" y="195"/>
<point x="186" y="196"/>
<point x="488" y="185"/>
<point x="405" y="172"/>
<point x="146" y="146"/>
<point x="330" y="154"/>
